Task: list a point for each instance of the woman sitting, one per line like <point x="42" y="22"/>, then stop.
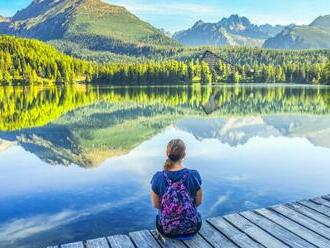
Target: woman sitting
<point x="176" y="192"/>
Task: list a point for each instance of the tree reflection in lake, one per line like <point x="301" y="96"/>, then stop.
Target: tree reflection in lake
<point x="85" y="125"/>
<point x="28" y="107"/>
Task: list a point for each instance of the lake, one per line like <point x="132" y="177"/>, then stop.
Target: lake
<point x="76" y="161"/>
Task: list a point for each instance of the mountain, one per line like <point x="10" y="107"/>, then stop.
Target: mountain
<point x="234" y="30"/>
<point x="93" y="24"/>
<point x="313" y="36"/>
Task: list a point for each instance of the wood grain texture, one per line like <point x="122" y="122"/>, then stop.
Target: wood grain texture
<point x="254" y="231"/>
<point x="144" y="239"/>
<point x="197" y="242"/>
<point x="303" y="220"/>
<point x="321" y="201"/>
<point x="317" y="207"/>
<point x="97" y="243"/>
<point x="325" y="220"/>
<point x="120" y="241"/>
<point x="238" y="237"/>
<point x="296" y="228"/>
<point x="215" y="237"/>
<point x="73" y="245"/>
<point x="276" y="230"/>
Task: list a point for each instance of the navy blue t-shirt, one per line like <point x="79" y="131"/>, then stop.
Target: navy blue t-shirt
<point x="193" y="182"/>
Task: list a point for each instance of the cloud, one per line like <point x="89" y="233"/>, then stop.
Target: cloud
<point x="26" y="227"/>
<point x="221" y="199"/>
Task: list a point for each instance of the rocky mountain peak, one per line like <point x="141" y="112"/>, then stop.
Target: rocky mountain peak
<point x="234" y="21"/>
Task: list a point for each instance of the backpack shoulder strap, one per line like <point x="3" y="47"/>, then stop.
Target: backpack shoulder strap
<point x="166" y="178"/>
<point x="184" y="177"/>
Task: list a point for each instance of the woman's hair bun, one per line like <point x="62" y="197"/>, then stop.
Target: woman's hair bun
<point x="174" y="158"/>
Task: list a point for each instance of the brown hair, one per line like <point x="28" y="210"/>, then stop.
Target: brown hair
<point x="176" y="151"/>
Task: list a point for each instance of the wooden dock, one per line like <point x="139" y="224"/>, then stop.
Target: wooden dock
<point x="300" y="224"/>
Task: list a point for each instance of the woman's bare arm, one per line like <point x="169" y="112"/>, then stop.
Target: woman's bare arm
<point x="199" y="197"/>
<point x="155" y="199"/>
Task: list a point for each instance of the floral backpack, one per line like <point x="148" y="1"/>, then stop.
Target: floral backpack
<point x="178" y="215"/>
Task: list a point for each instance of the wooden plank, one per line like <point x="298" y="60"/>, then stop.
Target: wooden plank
<point x="97" y="243"/>
<point x="317" y="207"/>
<point x="73" y="245"/>
<point x="215" y="237"/>
<point x="276" y="230"/>
<point x="327" y="197"/>
<point x="321" y="201"/>
<point x="166" y="242"/>
<point x="144" y="239"/>
<point x="311" y="213"/>
<point x="295" y="228"/>
<point x="197" y="242"/>
<point x="235" y="235"/>
<point x="303" y="220"/>
<point x="120" y="241"/>
<point x="254" y="231"/>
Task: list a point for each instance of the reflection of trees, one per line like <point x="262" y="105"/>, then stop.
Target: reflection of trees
<point x="33" y="106"/>
<point x="91" y="134"/>
<point x="250" y="100"/>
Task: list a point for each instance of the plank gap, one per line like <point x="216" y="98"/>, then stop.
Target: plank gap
<point x="224" y="234"/>
<point x="319" y="208"/>
<point x="320" y="201"/>
<point x="299" y="223"/>
<point x="288" y="238"/>
<point x="271" y="234"/>
<point x="243" y="232"/>
<point x="294" y="227"/>
<point x="309" y="213"/>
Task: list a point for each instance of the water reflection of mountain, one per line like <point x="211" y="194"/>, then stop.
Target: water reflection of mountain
<point x="232" y="131"/>
<point x="315" y="128"/>
<point x="239" y="130"/>
<point x="86" y="125"/>
<point x="90" y="135"/>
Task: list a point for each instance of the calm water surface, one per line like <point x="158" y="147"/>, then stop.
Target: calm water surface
<point x="76" y="162"/>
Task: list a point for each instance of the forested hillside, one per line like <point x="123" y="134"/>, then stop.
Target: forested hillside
<point x="28" y="61"/>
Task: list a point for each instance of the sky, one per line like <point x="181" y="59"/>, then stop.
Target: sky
<point x="174" y="15"/>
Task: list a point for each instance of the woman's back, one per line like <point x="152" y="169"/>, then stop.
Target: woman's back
<point x="193" y="181"/>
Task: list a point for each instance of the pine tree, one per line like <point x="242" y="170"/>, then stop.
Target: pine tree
<point x="206" y="75"/>
<point x="190" y="72"/>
